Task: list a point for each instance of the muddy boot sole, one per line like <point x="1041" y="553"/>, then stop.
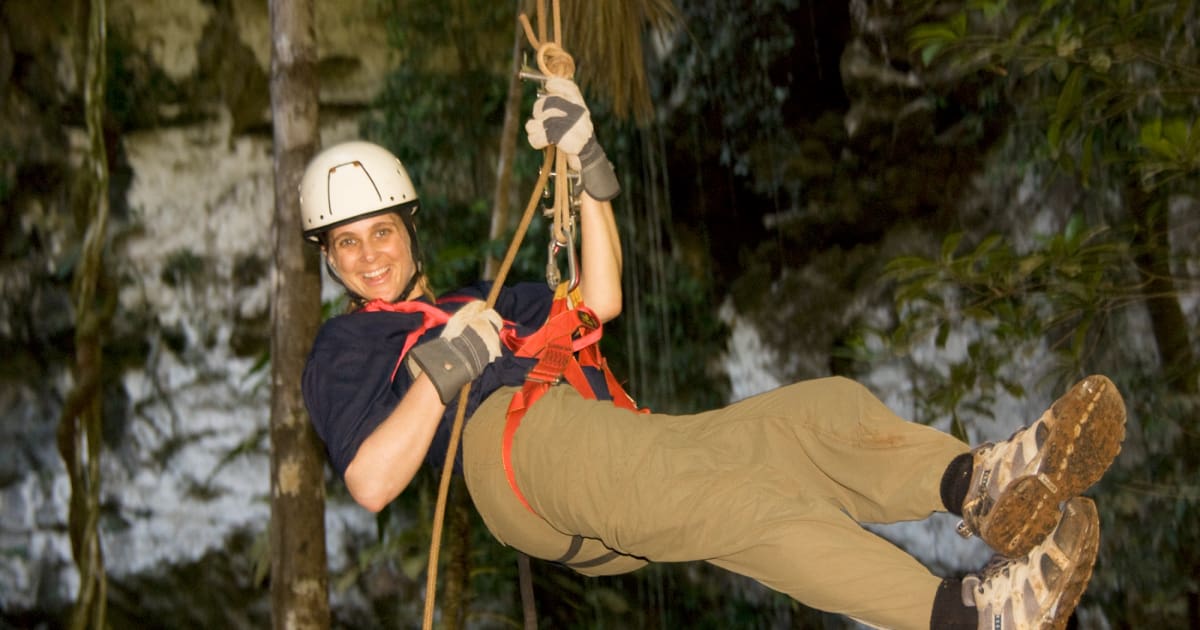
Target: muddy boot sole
<point x="1085" y="428"/>
<point x="1077" y="542"/>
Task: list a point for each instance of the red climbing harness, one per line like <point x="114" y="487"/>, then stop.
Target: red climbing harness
<point x="431" y="317"/>
<point x="564" y="345"/>
<point x="568" y="342"/>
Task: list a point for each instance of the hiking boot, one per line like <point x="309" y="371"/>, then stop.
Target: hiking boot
<point x="1042" y="589"/>
<point x="1018" y="485"/>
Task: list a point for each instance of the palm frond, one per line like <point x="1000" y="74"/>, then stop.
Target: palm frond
<point x="607" y="39"/>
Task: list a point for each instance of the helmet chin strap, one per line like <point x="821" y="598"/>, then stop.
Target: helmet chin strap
<point x="412" y="283"/>
<point x="415" y="249"/>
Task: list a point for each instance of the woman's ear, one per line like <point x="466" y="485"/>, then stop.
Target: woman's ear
<point x="330" y="264"/>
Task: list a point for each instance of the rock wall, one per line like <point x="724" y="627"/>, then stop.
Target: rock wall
<point x="189" y="134"/>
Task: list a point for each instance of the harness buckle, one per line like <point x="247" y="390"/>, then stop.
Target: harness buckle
<point x="551" y="364"/>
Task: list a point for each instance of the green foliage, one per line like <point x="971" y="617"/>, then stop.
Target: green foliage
<point x="1108" y="93"/>
<point x="1062" y="293"/>
<point x="396" y="558"/>
<point x="443" y="110"/>
<point x="674" y="595"/>
<point x="745" y="108"/>
<point x="1105" y="76"/>
<point x="1150" y="507"/>
<point x="1069" y="295"/>
<point x="665" y="343"/>
<point x="136" y="88"/>
<point x="1172" y="147"/>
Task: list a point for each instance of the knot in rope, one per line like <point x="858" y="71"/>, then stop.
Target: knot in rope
<point x="554" y="61"/>
<point x="551" y="58"/>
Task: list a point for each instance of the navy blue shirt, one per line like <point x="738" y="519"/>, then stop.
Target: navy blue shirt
<point x="353" y="379"/>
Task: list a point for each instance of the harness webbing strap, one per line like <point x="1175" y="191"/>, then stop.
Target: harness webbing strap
<point x="568" y="558"/>
<point x="563" y="346"/>
<point x="431" y="317"/>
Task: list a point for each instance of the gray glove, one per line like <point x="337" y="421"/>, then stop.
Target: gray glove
<point x="561" y="118"/>
<point x="469" y="342"/>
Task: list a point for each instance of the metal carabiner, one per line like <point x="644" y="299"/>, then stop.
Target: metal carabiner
<point x="548" y="194"/>
<point x="526" y="73"/>
<point x="553" y="275"/>
<point x="572" y="264"/>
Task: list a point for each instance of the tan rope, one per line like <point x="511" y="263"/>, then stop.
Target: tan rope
<point x="456" y="430"/>
<point x="552" y="60"/>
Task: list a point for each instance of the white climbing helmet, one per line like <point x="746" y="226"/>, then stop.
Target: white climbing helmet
<point x="349" y="181"/>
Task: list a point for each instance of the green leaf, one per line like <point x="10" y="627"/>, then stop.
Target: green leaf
<point x="1035" y="64"/>
<point x="1060" y="68"/>
<point x="993" y="9"/>
<point x="1079" y="339"/>
<point x="1100" y="61"/>
<point x="1030" y="264"/>
<point x="950" y="245"/>
<point x="1072" y="92"/>
<point x="1085" y="157"/>
<point x="1019" y="31"/>
<point x="958" y="23"/>
<point x="988" y="244"/>
<point x="924" y="35"/>
<point x="1054" y="138"/>
<point x="910" y="270"/>
<point x="1176" y="131"/>
<point x="958" y="430"/>
<point x="910" y="293"/>
<point x="1074" y="229"/>
<point x="1066" y="162"/>
<point x="1014" y="389"/>
<point x="1151" y="138"/>
<point x="930" y="52"/>
<point x="978" y="313"/>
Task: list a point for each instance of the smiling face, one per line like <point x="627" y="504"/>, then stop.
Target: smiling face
<point x="373" y="257"/>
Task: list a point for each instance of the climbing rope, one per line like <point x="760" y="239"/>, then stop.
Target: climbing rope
<point x="553" y="61"/>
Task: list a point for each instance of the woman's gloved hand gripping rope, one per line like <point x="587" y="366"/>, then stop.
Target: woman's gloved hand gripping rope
<point x="561" y="118"/>
<point x="469" y="342"/>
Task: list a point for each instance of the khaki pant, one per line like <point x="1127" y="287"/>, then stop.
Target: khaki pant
<point x="772" y="487"/>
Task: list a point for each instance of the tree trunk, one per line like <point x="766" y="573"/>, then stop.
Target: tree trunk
<point x="501" y="201"/>
<point x="500" y="220"/>
<point x="79" y="428"/>
<point x="1167" y="318"/>
<point x="1170" y="326"/>
<point x="299" y="579"/>
<point x="456" y="581"/>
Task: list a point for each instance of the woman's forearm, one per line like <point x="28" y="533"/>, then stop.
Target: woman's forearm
<point x="600" y="281"/>
<point x="389" y="458"/>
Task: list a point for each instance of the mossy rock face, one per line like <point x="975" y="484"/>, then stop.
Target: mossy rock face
<point x="220" y="586"/>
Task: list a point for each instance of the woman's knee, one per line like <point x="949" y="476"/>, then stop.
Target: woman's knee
<point x="830" y="390"/>
<point x="847" y="387"/>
